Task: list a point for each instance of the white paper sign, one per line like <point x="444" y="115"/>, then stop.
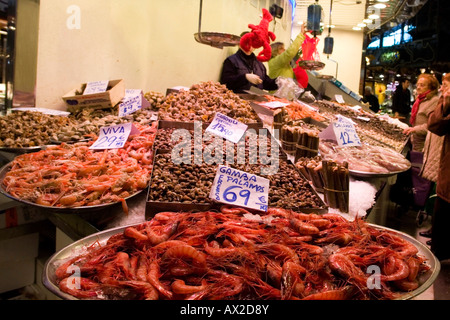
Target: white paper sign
<point x="339" y="98"/>
<point x="114" y="137"/>
<point x="240" y="188"/>
<point x="96" y="87"/>
<point x="227" y="128"/>
<point x="274" y="104"/>
<point x="132" y="101"/>
<point x="342" y="131"/>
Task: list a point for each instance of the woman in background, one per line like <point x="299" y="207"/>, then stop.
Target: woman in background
<point x="427" y="98"/>
<point x="439" y="124"/>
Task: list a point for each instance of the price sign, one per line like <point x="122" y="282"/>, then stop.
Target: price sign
<point x="342" y="131"/>
<point x="133" y="101"/>
<point x="227" y="128"/>
<point x="114" y="137"/>
<point x="96" y="87"/>
<point x="339" y="98"/>
<point x="274" y="104"/>
<point x="240" y="188"/>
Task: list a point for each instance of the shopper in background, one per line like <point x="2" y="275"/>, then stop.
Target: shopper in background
<point x="243" y="70"/>
<point x="401" y="101"/>
<point x="427" y="98"/>
<point x="370" y="98"/>
<point x="280" y="62"/>
<point x="439" y="123"/>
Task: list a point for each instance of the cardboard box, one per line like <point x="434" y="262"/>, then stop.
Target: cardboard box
<point x="18" y="261"/>
<point x="107" y="99"/>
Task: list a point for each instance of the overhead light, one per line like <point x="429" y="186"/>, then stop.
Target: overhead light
<point x="356" y="28"/>
<point x="367" y="20"/>
<point x="374" y="16"/>
<point x="330" y="26"/>
<point x="379" y="5"/>
<point x="362" y="25"/>
<point x="383" y="0"/>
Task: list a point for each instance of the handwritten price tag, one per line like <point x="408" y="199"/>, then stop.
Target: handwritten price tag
<point x="114" y="137"/>
<point x="227" y="128"/>
<point x="96" y="87"/>
<point x="339" y="98"/>
<point x="239" y="188"/>
<point x="132" y="102"/>
<point x="342" y="131"/>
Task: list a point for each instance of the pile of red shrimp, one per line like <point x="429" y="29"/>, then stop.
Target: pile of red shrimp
<point x="72" y="175"/>
<point x="228" y="254"/>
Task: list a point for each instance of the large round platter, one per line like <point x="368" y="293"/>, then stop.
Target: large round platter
<point x="311" y="65"/>
<point x="4" y="170"/>
<point x="21" y="150"/>
<point x="78" y="247"/>
<point x="365" y="174"/>
<point x="218" y="40"/>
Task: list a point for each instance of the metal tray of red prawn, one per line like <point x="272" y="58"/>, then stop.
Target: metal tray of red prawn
<point x="71" y="210"/>
<point x="78" y="247"/>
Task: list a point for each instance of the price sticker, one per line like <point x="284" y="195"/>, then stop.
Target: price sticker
<point x="132" y="102"/>
<point x="240" y="188"/>
<point x="341" y="131"/>
<point x="339" y="98"/>
<point x="96" y="87"/>
<point x="227" y="128"/>
<point x="114" y="137"/>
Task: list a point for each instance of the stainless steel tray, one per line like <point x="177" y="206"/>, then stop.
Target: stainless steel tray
<point x="22" y="150"/>
<point x="70" y="210"/>
<point x="364" y="174"/>
<point x="70" y="251"/>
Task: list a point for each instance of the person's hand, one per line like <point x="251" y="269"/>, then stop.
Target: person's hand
<point x="303" y="28"/>
<point x="408" y="130"/>
<point x="253" y="78"/>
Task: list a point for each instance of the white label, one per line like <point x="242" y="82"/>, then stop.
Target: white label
<point x="114" y="137"/>
<point x="132" y="101"/>
<point x="339" y="98"/>
<point x="96" y="87"/>
<point x="274" y="104"/>
<point x="239" y="188"/>
<point x="227" y="128"/>
<point x="341" y="131"/>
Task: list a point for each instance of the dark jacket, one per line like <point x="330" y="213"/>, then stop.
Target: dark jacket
<point x="373" y="102"/>
<point x="439" y="123"/>
<point x="236" y="66"/>
<point x="401" y="101"/>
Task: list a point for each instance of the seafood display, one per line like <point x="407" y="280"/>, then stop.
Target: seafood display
<point x="297" y="110"/>
<point x="365" y="158"/>
<point x="300" y="139"/>
<point x="233" y="254"/>
<point x="30" y="129"/>
<point x="191" y="183"/>
<point x="155" y="98"/>
<point x="89" y="121"/>
<point x="370" y="128"/>
<point x="202" y="101"/>
<point x="336" y="185"/>
<point x="70" y="176"/>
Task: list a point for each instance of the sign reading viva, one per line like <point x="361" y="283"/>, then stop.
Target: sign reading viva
<point x="114" y="137"/>
<point x="240" y="188"/>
